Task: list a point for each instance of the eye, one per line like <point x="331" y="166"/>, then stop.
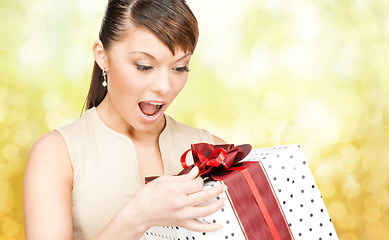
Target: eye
<point x="143" y="68"/>
<point x="181" y="69"/>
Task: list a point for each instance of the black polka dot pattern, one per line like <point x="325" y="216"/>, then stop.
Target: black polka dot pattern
<point x="300" y="199"/>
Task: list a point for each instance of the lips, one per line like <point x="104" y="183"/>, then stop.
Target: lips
<point x="150" y="108"/>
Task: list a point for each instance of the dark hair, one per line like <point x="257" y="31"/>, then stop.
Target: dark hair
<point x="171" y="21"/>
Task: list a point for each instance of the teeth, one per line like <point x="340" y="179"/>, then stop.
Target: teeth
<point x="155" y="103"/>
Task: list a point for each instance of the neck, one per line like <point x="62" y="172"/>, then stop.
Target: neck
<point x="148" y="137"/>
<point x="114" y="120"/>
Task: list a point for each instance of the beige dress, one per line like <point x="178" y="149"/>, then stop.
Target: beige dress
<point x="105" y="167"/>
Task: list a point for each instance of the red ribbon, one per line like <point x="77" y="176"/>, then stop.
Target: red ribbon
<point x="260" y="202"/>
<point x="217" y="159"/>
<point x="213" y="159"/>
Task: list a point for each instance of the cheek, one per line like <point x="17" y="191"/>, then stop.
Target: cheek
<point x="121" y="72"/>
<point x="180" y="85"/>
<point x="124" y="84"/>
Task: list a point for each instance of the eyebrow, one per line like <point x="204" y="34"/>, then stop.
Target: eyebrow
<point x="152" y="57"/>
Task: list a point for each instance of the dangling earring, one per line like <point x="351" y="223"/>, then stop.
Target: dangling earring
<point x="104" y="83"/>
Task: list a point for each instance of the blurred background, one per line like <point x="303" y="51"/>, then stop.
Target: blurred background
<point x="265" y="72"/>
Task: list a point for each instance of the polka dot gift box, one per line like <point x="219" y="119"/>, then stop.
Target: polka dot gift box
<point x="271" y="191"/>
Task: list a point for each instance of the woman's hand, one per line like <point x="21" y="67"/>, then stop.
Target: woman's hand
<point x="177" y="201"/>
<point x="173" y="201"/>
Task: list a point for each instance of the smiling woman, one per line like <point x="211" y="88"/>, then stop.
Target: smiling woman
<point x="85" y="180"/>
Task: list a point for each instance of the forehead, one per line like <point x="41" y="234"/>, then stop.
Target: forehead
<point x="143" y="40"/>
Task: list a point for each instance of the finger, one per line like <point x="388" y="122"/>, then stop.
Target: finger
<point x="194" y="172"/>
<point x="191" y="175"/>
<point x="205" y="211"/>
<point x="206" y="195"/>
<point x="194" y="225"/>
<point x="193" y="186"/>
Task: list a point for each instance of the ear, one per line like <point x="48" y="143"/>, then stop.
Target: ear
<point x="100" y="54"/>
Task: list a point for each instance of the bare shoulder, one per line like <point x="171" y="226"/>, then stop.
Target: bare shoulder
<point x="51" y="141"/>
<point x="47" y="189"/>
<point x="218" y="140"/>
<point x="49" y="154"/>
<point x="51" y="150"/>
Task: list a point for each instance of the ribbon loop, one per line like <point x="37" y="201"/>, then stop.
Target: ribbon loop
<point x="213" y="159"/>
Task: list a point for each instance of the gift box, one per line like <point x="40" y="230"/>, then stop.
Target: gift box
<point x="271" y="191"/>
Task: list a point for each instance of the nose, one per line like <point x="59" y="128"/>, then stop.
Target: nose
<point x="161" y="84"/>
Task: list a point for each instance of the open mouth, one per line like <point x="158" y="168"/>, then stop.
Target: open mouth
<point x="150" y="109"/>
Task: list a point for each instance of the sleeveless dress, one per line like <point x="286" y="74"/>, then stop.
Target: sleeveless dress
<point x="105" y="167"/>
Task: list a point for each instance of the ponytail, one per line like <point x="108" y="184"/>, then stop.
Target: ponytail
<point x="96" y="92"/>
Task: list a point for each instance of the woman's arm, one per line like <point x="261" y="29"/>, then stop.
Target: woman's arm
<point x="47" y="190"/>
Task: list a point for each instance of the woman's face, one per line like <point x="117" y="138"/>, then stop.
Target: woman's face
<point x="144" y="78"/>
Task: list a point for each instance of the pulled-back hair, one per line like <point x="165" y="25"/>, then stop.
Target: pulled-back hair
<point x="171" y="21"/>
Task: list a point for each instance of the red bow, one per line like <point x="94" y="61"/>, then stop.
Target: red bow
<point x="213" y="159"/>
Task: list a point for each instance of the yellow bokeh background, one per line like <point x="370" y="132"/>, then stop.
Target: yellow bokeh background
<point x="265" y="72"/>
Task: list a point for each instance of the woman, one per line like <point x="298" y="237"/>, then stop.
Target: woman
<point x="85" y="180"/>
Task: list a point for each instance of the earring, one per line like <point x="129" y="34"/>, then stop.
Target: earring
<point x="104" y="83"/>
